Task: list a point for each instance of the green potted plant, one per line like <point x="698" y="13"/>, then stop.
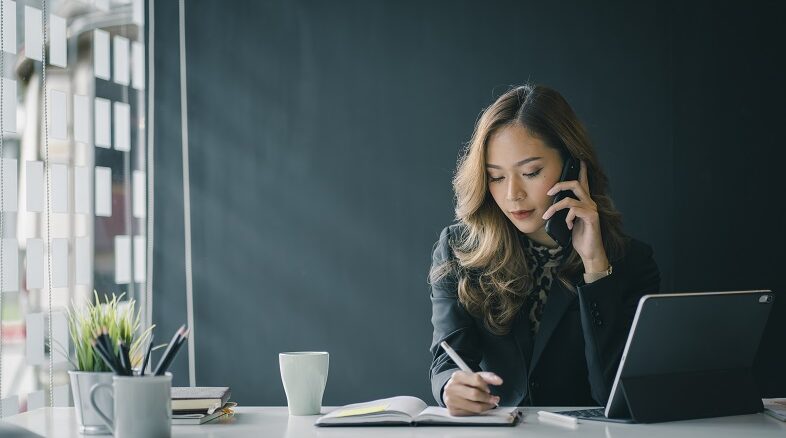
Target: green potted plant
<point x="84" y="323"/>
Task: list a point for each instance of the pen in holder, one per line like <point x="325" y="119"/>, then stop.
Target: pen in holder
<point x="120" y="361"/>
<point x="142" y="405"/>
<point x="171" y="350"/>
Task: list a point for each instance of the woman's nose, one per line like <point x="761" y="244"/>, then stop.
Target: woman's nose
<point x="515" y="192"/>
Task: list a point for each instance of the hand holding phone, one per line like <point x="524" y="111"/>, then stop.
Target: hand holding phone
<point x="556" y="227"/>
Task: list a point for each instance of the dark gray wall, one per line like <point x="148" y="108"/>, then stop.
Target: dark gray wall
<point x="728" y="99"/>
<point x="323" y="136"/>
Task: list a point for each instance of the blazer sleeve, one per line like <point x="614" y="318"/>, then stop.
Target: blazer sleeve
<point x="607" y="309"/>
<point x="452" y="323"/>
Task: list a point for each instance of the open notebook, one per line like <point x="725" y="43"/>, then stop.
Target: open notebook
<point x="405" y="410"/>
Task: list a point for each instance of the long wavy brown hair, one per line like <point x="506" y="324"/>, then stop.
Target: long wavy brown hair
<point x="493" y="277"/>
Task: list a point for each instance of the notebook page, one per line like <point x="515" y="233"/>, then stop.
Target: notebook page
<point x="412" y="406"/>
<point x="501" y="415"/>
<point x="394" y="406"/>
<point x="402" y="409"/>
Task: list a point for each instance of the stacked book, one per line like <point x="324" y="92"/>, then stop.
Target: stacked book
<point x="775" y="407"/>
<point x="197" y="405"/>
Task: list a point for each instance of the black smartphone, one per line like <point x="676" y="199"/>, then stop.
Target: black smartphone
<point x="556" y="227"/>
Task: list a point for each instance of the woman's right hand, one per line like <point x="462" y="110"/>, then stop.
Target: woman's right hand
<point x="469" y="393"/>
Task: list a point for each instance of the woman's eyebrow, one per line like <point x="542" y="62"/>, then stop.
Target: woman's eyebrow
<point x="520" y="163"/>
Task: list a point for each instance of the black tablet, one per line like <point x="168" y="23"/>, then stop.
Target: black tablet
<point x="691" y="355"/>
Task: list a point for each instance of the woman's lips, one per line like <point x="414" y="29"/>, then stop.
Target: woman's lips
<point x="521" y="214"/>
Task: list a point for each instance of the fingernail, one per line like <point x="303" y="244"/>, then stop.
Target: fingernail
<point x="550" y="191"/>
<point x="545" y="215"/>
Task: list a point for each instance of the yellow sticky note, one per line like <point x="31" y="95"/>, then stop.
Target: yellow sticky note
<point x="362" y="411"/>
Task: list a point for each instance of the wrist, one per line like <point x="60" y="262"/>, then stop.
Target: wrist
<point x="596" y="265"/>
<point x="591" y="277"/>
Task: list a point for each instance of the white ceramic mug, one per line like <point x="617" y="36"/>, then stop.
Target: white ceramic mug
<point x="142" y="406"/>
<point x="304" y="374"/>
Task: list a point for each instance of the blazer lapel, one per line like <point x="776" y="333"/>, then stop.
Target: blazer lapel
<point x="557" y="304"/>
<point x="523" y="337"/>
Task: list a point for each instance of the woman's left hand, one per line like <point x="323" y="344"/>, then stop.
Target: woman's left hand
<point x="586" y="230"/>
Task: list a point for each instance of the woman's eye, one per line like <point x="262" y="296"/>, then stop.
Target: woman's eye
<point x="492" y="179"/>
<point x="533" y="174"/>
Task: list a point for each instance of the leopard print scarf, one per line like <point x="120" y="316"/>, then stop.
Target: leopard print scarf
<point x="543" y="262"/>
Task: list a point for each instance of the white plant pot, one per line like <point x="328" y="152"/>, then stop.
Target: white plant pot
<point x="89" y="421"/>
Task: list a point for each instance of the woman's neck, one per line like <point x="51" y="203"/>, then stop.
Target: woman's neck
<point x="542" y="238"/>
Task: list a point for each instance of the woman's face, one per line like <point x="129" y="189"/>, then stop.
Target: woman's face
<point x="520" y="170"/>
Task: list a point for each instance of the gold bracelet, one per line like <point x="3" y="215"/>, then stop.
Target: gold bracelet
<point x="590" y="277"/>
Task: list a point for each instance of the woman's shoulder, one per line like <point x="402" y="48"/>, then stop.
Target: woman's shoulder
<point x="448" y="239"/>
<point x="450" y="236"/>
<point x="453" y="231"/>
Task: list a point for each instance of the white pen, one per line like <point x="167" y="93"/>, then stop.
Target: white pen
<point x="566" y="419"/>
<point x="456" y="358"/>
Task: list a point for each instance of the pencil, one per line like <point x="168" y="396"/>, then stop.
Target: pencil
<point x="103" y="337"/>
<point x="147" y="355"/>
<point x="102" y="342"/>
<point x="99" y="349"/>
<point x="169" y="348"/>
<point x="125" y="358"/>
<point x="123" y="364"/>
<point x="173" y="353"/>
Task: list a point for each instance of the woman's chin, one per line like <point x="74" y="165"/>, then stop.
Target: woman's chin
<point x="528" y="227"/>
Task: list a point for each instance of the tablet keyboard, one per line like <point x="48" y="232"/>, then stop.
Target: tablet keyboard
<point x="584" y="413"/>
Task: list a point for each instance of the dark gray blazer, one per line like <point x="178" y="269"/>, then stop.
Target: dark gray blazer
<point x="575" y="354"/>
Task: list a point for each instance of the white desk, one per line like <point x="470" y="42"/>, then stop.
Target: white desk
<point x="275" y="422"/>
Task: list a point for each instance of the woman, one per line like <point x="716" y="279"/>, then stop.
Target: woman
<point x="538" y="324"/>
